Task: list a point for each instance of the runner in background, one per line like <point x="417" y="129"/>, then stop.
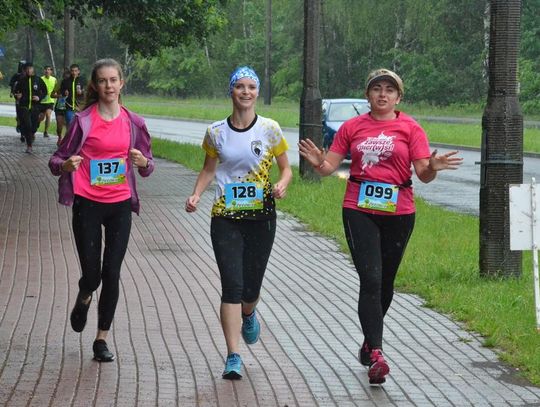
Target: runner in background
<point x="378" y="208"/>
<point x="47" y="103"/>
<point x="12" y="83"/>
<point x="96" y="163"/>
<point x="239" y="153"/>
<point x="72" y="89"/>
<point x="60" y="107"/>
<point x="29" y="91"/>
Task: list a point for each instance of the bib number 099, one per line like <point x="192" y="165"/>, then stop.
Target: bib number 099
<point x="378" y="191"/>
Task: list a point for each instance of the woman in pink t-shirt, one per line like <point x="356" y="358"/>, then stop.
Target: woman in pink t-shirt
<point x="378" y="207"/>
<point x="95" y="163"/>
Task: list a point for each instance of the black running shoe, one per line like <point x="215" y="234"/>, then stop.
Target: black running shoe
<point x="79" y="313"/>
<point x="364" y="354"/>
<point x="101" y="351"/>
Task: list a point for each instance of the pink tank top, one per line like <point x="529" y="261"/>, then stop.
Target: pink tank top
<point x="102" y="175"/>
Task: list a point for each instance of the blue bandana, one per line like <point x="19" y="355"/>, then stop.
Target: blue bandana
<point x="242" y="72"/>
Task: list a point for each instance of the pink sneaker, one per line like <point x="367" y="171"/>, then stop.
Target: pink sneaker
<point x="378" y="368"/>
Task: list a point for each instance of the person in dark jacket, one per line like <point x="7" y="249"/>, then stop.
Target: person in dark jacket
<point x="29" y="91"/>
<point x="12" y="83"/>
<point x="72" y="89"/>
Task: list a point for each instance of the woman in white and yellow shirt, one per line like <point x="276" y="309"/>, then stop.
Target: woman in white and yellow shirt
<point x="239" y="153"/>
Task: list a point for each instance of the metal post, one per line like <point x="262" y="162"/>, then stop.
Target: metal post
<point x="502" y="142"/>
<point x="268" y="55"/>
<point x="535" y="254"/>
<point x="311" y="102"/>
<point x="69" y="39"/>
<point x="42" y="15"/>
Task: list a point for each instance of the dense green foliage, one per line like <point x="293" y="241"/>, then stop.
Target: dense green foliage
<point x="438" y="46"/>
<point x="143" y="26"/>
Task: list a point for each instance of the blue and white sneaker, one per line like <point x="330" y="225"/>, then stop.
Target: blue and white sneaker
<point x="233" y="367"/>
<point x="251" y="328"/>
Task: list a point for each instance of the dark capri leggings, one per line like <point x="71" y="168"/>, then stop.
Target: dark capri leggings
<point x="242" y="249"/>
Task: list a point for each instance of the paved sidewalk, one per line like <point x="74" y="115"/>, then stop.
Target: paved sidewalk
<point x="166" y="333"/>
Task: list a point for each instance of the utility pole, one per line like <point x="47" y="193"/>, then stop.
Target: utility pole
<point x="69" y="39"/>
<point x="311" y="102"/>
<point x="42" y="15"/>
<point x="502" y="142"/>
<point x="268" y="55"/>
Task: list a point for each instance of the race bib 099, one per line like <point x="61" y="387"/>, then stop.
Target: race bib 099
<point x="378" y="196"/>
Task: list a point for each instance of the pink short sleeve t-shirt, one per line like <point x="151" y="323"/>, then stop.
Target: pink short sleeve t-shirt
<point x="107" y="140"/>
<point x="381" y="151"/>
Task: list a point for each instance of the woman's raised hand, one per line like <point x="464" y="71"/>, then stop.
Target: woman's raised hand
<point x="444" y="161"/>
<point x="311" y="152"/>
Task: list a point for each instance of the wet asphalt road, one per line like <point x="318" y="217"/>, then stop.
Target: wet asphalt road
<point x="455" y="190"/>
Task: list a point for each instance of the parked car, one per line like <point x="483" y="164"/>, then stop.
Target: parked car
<point x="337" y="111"/>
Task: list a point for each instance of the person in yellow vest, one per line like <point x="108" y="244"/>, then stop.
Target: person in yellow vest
<point x="47" y="103"/>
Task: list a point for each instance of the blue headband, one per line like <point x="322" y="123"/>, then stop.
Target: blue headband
<point x="242" y="72"/>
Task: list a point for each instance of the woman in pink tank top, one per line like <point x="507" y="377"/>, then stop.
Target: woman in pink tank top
<point x="95" y="162"/>
<point x="378" y="207"/>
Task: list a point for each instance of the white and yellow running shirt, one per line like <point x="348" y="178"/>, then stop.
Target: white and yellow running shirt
<point x="243" y="189"/>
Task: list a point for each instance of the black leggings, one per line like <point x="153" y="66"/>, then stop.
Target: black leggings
<point x="88" y="217"/>
<point x="28" y="123"/>
<point x="242" y="249"/>
<point x="377" y="244"/>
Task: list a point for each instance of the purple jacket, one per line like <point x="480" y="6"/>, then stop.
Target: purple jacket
<point x="72" y="145"/>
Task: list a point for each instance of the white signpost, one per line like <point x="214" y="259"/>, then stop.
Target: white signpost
<point x="525" y="229"/>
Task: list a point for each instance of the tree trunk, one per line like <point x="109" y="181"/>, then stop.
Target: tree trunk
<point x="502" y="142"/>
<point x="244" y="27"/>
<point x="398" y="39"/>
<point x="487" y="12"/>
<point x="310" y="103"/>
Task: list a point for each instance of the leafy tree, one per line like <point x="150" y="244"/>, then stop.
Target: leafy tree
<point x="145" y="26"/>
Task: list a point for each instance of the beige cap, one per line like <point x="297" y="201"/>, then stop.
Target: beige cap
<point x="385" y="74"/>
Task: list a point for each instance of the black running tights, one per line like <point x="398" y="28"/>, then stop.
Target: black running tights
<point x="377" y="244"/>
<point x="242" y="249"/>
<point x="88" y="218"/>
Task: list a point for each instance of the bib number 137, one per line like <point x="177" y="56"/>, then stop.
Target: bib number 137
<point x="107" y="172"/>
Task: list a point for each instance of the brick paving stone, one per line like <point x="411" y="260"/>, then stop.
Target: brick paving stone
<point x="166" y="334"/>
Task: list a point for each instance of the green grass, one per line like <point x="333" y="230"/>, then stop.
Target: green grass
<point x="440" y="265"/>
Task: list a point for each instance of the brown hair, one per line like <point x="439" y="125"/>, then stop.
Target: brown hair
<point x="91" y="93"/>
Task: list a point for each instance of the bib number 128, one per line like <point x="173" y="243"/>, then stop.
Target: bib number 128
<point x="242" y="191"/>
<point x="243" y="196"/>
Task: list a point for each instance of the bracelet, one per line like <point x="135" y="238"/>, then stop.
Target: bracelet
<point x="319" y="166"/>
